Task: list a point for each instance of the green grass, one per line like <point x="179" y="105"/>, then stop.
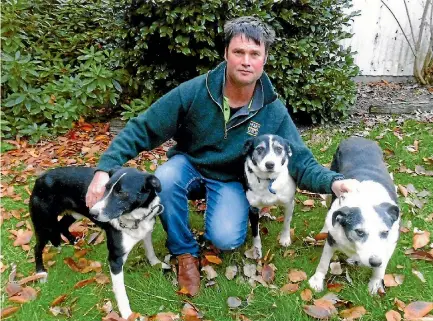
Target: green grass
<point x="150" y="290"/>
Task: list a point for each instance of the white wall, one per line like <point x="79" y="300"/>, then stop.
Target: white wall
<point x="381" y="47"/>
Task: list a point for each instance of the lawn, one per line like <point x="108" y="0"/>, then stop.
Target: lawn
<point x="408" y="151"/>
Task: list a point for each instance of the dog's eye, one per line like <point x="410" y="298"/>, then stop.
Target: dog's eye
<point x="278" y="150"/>
<point x="360" y="233"/>
<point x="260" y="150"/>
<point x="384" y="234"/>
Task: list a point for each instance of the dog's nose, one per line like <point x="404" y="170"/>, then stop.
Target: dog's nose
<point x="269" y="165"/>
<point x="375" y="261"/>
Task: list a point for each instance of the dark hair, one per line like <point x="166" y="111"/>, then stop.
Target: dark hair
<point x="252" y="27"/>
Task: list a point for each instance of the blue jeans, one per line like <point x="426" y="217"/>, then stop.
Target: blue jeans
<point x="226" y="217"/>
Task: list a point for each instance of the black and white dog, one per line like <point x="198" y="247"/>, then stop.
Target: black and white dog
<point x="363" y="224"/>
<point x="268" y="182"/>
<point x="126" y="212"/>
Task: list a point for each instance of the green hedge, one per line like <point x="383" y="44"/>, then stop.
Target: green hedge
<point x="62" y="60"/>
<point x="172" y="41"/>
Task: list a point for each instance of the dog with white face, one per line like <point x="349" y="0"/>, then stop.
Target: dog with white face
<point x="363" y="224"/>
<point x="268" y="182"/>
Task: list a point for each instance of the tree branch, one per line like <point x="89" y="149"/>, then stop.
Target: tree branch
<point x="401" y="28"/>
<point x="410" y="21"/>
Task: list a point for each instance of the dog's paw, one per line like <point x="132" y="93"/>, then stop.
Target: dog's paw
<point x="376" y="286"/>
<point x="44" y="277"/>
<point x="163" y="265"/>
<point x="254" y="253"/>
<point x="316" y="282"/>
<point x="285" y="240"/>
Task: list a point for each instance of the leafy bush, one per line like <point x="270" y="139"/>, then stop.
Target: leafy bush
<point x="61" y="60"/>
<point x="172" y="41"/>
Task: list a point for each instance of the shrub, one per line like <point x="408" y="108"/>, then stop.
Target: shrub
<point x="61" y="60"/>
<point x="172" y="41"/>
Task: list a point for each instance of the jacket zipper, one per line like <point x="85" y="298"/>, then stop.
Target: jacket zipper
<point x="222" y="110"/>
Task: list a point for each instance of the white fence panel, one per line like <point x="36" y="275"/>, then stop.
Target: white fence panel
<point x="381" y="47"/>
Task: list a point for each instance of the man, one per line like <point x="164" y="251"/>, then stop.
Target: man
<point x="211" y="117"/>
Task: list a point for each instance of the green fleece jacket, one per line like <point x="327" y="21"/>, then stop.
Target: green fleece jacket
<point x="192" y="114"/>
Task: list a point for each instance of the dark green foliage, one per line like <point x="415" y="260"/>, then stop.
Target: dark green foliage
<point x="60" y="61"/>
<point x="65" y="59"/>
<point x="172" y="41"/>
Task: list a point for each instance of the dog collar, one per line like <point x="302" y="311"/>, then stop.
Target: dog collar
<point x="160" y="209"/>
<point x="271" y="181"/>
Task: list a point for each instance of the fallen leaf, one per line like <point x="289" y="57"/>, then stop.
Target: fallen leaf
<point x="13" y="288"/>
<point x="290" y="288"/>
<point x="233" y="302"/>
<point x="268" y="273"/>
<point x="353" y="313"/>
<point x="231" y="272"/>
<point x="83" y="283"/>
<point x="5" y="312"/>
<point x="389" y="280"/>
<point x="250" y="270"/>
<point x="213" y="259"/>
<point x="319" y="312"/>
<point x="308" y="202"/>
<point x="102" y="278"/>
<point x="402" y="190"/>
<point x="307" y="295"/>
<point x="183" y="291"/>
<point x="419" y="275"/>
<point x="210" y="272"/>
<point x="30" y="278"/>
<point x="297" y="275"/>
<point x="59" y="300"/>
<point x="335" y="268"/>
<point x="23" y="237"/>
<point x="392" y="315"/>
<point x="399" y="304"/>
<point x="334" y="287"/>
<point x="417" y="309"/>
<point x="164" y="316"/>
<point x="421" y="240"/>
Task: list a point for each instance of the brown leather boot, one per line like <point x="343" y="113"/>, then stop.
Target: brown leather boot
<point x="188" y="274"/>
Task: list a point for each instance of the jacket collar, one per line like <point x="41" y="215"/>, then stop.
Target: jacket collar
<point x="215" y="80"/>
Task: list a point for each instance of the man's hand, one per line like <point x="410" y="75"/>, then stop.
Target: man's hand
<point x="96" y="188"/>
<point x="344" y="186"/>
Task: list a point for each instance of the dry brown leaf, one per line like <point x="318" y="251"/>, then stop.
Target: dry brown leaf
<point x="134" y="316"/>
<point x="392" y="315"/>
<point x="268" y="273"/>
<point x="290" y="288"/>
<point x="183" y="291"/>
<point x="5" y="312"/>
<point x="353" y="313"/>
<point x="164" y="316"/>
<point x="13" y="288"/>
<point x="213" y="259"/>
<point x="112" y="316"/>
<point x="80" y="253"/>
<point x="307" y="295"/>
<point x="59" y="300"/>
<point x="308" y="202"/>
<point x="403" y="190"/>
<point x="321" y="236"/>
<point x="83" y="283"/>
<point x="30" y="278"/>
<point x="101" y="278"/>
<point x="399" y="304"/>
<point x="417" y="309"/>
<point x="421" y="240"/>
<point x="297" y="275"/>
<point x="389" y="280"/>
<point x="23" y="237"/>
<point x="334" y="287"/>
<point x="319" y="312"/>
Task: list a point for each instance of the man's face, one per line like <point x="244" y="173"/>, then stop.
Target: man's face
<point x="245" y="60"/>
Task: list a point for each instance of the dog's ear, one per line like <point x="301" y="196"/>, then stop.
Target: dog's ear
<point x="340" y="216"/>
<point x="248" y="146"/>
<point x="113" y="170"/>
<point x="152" y="182"/>
<point x="392" y="210"/>
<point x="289" y="150"/>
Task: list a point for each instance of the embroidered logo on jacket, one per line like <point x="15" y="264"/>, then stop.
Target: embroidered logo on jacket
<point x="253" y="128"/>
